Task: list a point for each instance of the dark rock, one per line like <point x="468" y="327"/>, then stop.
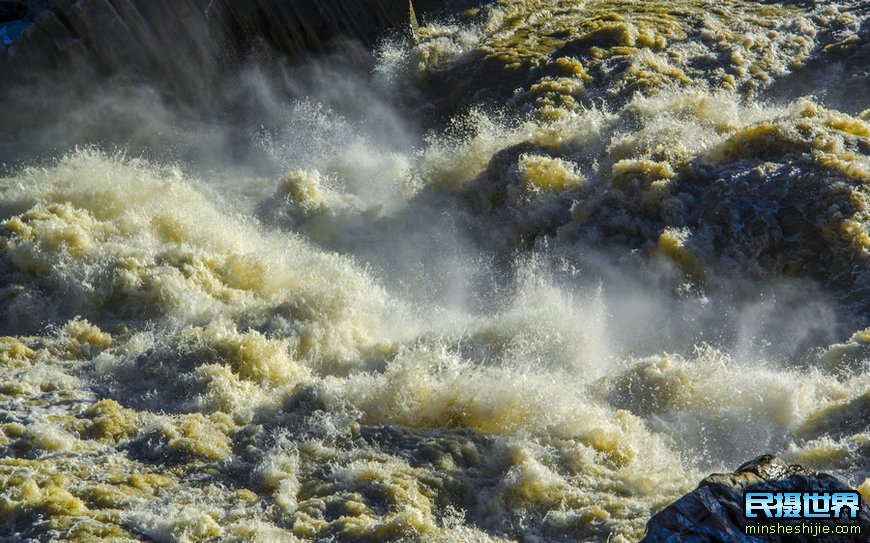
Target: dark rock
<point x="149" y="37"/>
<point x="713" y="512"/>
<point x="11" y="10"/>
<point x="186" y="50"/>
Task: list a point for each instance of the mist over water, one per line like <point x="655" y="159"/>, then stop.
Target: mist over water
<point x="528" y="277"/>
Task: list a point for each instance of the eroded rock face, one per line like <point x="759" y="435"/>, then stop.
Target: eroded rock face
<point x="713" y="512"/>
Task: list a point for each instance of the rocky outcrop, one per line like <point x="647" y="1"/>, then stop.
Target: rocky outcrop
<point x="713" y="512"/>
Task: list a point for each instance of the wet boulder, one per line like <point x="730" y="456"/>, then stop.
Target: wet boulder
<point x="714" y="512"/>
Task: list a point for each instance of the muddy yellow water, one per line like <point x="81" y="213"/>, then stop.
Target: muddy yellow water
<point x="634" y="251"/>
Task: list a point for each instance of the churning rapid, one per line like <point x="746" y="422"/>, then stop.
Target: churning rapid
<point x="528" y="276"/>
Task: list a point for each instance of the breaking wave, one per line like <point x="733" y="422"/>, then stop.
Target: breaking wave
<point x="628" y="245"/>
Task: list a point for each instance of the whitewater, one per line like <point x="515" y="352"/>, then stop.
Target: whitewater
<point x="528" y="274"/>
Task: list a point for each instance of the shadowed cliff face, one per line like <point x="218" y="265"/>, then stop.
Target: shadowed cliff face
<point x="123" y="35"/>
<point x="187" y="51"/>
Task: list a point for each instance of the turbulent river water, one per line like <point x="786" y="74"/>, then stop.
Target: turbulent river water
<point x="526" y="277"/>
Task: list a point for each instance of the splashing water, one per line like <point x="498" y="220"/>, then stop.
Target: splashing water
<point x="527" y="279"/>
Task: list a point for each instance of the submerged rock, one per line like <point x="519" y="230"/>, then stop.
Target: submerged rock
<point x="714" y="512"/>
